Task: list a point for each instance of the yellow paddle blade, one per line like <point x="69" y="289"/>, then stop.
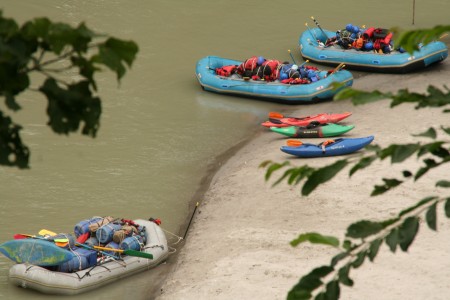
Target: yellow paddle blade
<point x="294" y="143"/>
<point x="47" y="232"/>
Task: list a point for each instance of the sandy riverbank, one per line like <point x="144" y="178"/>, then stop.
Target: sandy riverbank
<point x="238" y="245"/>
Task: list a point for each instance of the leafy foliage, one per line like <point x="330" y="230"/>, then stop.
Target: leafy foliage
<point x="364" y="238"/>
<point x="53" y="49"/>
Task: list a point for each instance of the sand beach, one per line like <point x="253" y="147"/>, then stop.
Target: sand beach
<point x="238" y="243"/>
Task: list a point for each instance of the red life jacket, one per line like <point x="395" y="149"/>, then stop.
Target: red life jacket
<point x="273" y="65"/>
<point x="368" y="33"/>
<point x="295" y="81"/>
<point x="250" y="64"/>
<point x="226" y="71"/>
<point x="380" y="43"/>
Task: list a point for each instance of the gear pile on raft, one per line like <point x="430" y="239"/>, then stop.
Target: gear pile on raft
<point x="374" y="39"/>
<point x="272" y="70"/>
<point x="101" y="250"/>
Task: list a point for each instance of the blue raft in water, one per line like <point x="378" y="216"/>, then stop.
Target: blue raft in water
<point x="395" y="62"/>
<point x="340" y="146"/>
<point x="269" y="91"/>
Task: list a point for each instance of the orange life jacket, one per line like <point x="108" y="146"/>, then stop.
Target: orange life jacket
<point x="358" y="43"/>
<point x="326" y="143"/>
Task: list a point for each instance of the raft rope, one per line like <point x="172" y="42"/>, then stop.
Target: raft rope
<point x="173" y="234"/>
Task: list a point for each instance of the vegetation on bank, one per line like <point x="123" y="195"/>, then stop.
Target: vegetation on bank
<point x="67" y="58"/>
<point x="364" y="238"/>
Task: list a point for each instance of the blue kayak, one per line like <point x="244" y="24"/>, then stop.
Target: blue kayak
<point x="269" y="91"/>
<point x="395" y="62"/>
<point x="340" y="146"/>
<point x="37" y="252"/>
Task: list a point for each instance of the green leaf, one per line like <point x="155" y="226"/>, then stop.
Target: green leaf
<point x="406" y="174"/>
<point x="315" y="238"/>
<point x="308" y="283"/>
<point x="431" y="133"/>
<point x="360" y="97"/>
<point x="114" y="52"/>
<point x="392" y="239"/>
<point x="388" y="184"/>
<point x="433" y="148"/>
<point x="407" y="232"/>
<point x="343" y="276"/>
<point x="12" y="151"/>
<point x="359" y="259"/>
<point x="272" y="168"/>
<point x="417" y="205"/>
<point x="374" y="247"/>
<point x="446" y="129"/>
<point x="363" y="163"/>
<point x="68" y="108"/>
<point x="443" y="183"/>
<point x="410" y="39"/>
<point x="431" y="217"/>
<point x="338" y="258"/>
<point x="363" y="229"/>
<point x="402" y="152"/>
<point x="295" y="175"/>
<point x="333" y="291"/>
<point x="322" y="175"/>
<point x="447" y="208"/>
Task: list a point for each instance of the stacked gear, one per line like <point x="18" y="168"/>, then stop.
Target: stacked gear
<point x="270" y="70"/>
<point x="353" y="37"/>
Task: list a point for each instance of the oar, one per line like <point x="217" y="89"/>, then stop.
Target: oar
<point x="318" y="25"/>
<point x="338" y="67"/>
<point x="311" y="32"/>
<point x="58" y="242"/>
<point x="102" y="252"/>
<point x="294" y="143"/>
<point x="126" y="252"/>
<point x="292" y="57"/>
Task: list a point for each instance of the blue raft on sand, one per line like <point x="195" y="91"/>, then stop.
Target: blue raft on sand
<point x="394" y="62"/>
<point x="269" y="91"/>
<point x="340" y="146"/>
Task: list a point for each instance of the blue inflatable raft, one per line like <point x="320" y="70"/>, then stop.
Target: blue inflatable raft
<point x="394" y="62"/>
<point x="269" y="91"/>
<point x="340" y="146"/>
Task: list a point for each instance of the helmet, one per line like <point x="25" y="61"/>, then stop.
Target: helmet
<point x="294" y="67"/>
<point x="355" y="29"/>
<point x="283" y="76"/>
<point x="368" y="46"/>
<point x="349" y="27"/>
<point x="261" y="60"/>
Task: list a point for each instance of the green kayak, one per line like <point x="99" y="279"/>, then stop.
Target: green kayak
<point x="313" y="130"/>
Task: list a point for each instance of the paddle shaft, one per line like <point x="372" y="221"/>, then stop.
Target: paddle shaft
<point x="311" y="33"/>
<point x="187" y="228"/>
<point x="318" y="25"/>
<point x="102" y="252"/>
<point x="126" y="252"/>
<point x="292" y="57"/>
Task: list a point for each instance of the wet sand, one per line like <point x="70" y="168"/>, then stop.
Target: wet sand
<point x="238" y="243"/>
